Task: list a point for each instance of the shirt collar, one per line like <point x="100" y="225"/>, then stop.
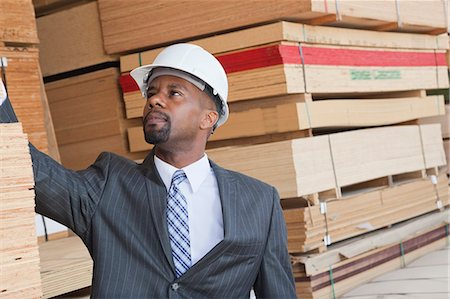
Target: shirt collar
<point x="196" y="172"/>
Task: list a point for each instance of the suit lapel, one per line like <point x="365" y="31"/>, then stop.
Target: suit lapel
<point x="157" y="194"/>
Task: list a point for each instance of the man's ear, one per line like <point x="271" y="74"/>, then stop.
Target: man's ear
<point x="209" y="120"/>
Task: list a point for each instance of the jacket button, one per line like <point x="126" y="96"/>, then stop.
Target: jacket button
<point x="175" y="286"/>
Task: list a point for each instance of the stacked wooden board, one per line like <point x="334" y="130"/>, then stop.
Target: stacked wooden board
<point x="133" y="25"/>
<point x="88" y="117"/>
<point x="334" y="161"/>
<point x="71" y="39"/>
<point x="271" y="67"/>
<point x="444" y="121"/>
<point x="17" y="23"/>
<point x="356" y="261"/>
<point x="366" y="179"/>
<point x="19" y="256"/>
<point x="18" y="37"/>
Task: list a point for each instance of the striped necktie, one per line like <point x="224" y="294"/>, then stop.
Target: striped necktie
<point x="178" y="225"/>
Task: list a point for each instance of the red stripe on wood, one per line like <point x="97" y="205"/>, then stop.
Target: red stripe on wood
<point x="128" y="84"/>
<point x="353" y="57"/>
<point x="260" y="57"/>
<point x="287" y="54"/>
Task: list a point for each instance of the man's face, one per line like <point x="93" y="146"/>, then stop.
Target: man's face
<point x="173" y="111"/>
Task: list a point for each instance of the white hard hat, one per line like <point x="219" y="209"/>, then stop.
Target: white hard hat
<point x="195" y="61"/>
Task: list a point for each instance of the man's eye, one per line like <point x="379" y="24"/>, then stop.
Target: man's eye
<point x="175" y="93"/>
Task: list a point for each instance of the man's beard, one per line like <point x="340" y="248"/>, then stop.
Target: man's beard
<point x="155" y="136"/>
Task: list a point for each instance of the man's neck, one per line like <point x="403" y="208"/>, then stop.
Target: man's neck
<point x="179" y="159"/>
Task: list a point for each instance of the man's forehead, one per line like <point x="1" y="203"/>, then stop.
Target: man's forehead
<point x="169" y="82"/>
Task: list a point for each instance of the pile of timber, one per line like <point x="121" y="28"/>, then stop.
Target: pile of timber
<point x="18" y="38"/>
<point x="17" y="23"/>
<point x="337" y="186"/>
<point x="89" y="118"/>
<point x="65" y="266"/>
<point x="356" y="261"/>
<point x="71" y="39"/>
<point x="444" y="121"/>
<point x="19" y="255"/>
<point x="287" y="77"/>
<point x="133" y="25"/>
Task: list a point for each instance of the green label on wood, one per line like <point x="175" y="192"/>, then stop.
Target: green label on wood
<point x="375" y="74"/>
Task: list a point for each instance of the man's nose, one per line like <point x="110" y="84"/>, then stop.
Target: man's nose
<point x="155" y="100"/>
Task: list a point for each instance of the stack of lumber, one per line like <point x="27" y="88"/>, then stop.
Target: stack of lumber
<point x="18" y="37"/>
<point x="367" y="179"/>
<point x="24" y="90"/>
<point x="19" y="256"/>
<point x="71" y="39"/>
<point x="88" y="116"/>
<point x="330" y="162"/>
<point x="444" y="121"/>
<point x="288" y="77"/>
<point x="65" y="266"/>
<point x="356" y="261"/>
<point x="133" y="25"/>
<point x="17" y="23"/>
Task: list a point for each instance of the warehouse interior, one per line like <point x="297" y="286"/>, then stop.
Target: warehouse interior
<point x="341" y="105"/>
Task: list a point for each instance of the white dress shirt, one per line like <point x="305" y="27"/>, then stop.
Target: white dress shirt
<point x="203" y="204"/>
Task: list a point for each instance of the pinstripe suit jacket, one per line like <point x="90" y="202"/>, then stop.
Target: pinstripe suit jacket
<point x="117" y="207"/>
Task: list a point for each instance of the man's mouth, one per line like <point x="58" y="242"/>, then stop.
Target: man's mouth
<point x="154" y="118"/>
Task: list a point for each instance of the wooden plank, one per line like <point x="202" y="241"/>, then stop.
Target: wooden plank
<point x="373" y="151"/>
<point x="442" y="119"/>
<point x="71" y="39"/>
<point x="51" y="137"/>
<point x="45" y="7"/>
<point x="357" y="214"/>
<point x="19" y="256"/>
<point x="24" y="90"/>
<point x="285" y="68"/>
<point x="17" y="22"/>
<point x="357" y="156"/>
<point x="65" y="266"/>
<point x="116" y="16"/>
<point x="88" y="117"/>
<point x="293" y="164"/>
<point x="432" y="145"/>
<point x="287" y="31"/>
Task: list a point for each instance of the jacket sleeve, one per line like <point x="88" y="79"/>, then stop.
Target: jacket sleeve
<point x="275" y="279"/>
<point x="66" y="196"/>
<point x="63" y="195"/>
<point x="7" y="114"/>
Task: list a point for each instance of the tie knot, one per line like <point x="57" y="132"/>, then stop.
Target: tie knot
<point x="178" y="177"/>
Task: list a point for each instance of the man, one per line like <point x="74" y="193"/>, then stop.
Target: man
<point x="177" y="225"/>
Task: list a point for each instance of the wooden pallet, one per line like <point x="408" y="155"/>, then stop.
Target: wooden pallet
<point x="120" y="37"/>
